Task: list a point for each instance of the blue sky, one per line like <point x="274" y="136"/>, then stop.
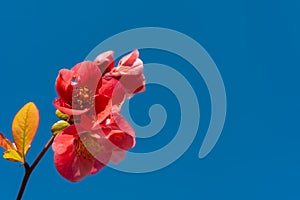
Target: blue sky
<point x="256" y="47"/>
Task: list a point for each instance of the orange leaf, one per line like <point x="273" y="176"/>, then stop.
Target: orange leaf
<point x="5" y="143"/>
<point x="24" y="127"/>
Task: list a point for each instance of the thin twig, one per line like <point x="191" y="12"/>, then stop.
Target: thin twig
<point x="29" y="169"/>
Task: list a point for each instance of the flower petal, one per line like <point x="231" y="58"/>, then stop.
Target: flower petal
<point x="117" y="156"/>
<point x="121" y="139"/>
<point x="63" y="142"/>
<point x="135" y="69"/>
<point x="130" y="73"/>
<point x="104" y="114"/>
<point x="68" y="164"/>
<point x="101" y="102"/>
<point x="66" y="108"/>
<point x="123" y="125"/>
<point x="133" y="84"/>
<point x="96" y="167"/>
<point x="112" y="88"/>
<point x="129" y="59"/>
<point x="64" y="84"/>
<point x="105" y="61"/>
<point x="121" y="134"/>
<point x="104" y="155"/>
<point x="71" y="167"/>
<point x="88" y="75"/>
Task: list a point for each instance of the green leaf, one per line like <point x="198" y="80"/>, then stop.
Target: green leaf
<point x="24" y="127"/>
<point x="13" y="155"/>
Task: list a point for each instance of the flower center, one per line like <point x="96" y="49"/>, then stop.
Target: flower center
<point x="81" y="151"/>
<point x="82" y="98"/>
<point x="87" y="148"/>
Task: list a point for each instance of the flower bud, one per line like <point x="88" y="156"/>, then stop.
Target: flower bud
<point x="59" y="126"/>
<point x="61" y="115"/>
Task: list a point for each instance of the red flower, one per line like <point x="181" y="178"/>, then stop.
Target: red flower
<point x="81" y="88"/>
<point x="93" y="92"/>
<point x="77" y="87"/>
<point x="79" y="152"/>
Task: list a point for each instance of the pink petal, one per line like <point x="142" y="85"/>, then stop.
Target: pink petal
<point x="65" y="138"/>
<point x="121" y="134"/>
<point x="135" y="69"/>
<point x="86" y="122"/>
<point x="105" y="61"/>
<point x="133" y="84"/>
<point x="123" y="124"/>
<point x="130" y="73"/>
<point x="63" y="143"/>
<point x="130" y="58"/>
<point x="104" y="155"/>
<point x="117" y="156"/>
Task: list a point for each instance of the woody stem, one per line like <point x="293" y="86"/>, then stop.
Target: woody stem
<point x="29" y="169"/>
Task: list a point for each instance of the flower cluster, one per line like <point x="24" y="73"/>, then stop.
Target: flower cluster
<point x="91" y="95"/>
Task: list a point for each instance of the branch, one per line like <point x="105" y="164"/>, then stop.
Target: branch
<point x="29" y="169"/>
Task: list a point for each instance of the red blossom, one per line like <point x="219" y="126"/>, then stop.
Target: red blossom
<point x="76" y="88"/>
<point x="79" y="152"/>
<point x="93" y="92"/>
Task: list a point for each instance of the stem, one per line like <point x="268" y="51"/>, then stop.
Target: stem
<point x="29" y="169"/>
<point x="25" y="179"/>
<point x="37" y="160"/>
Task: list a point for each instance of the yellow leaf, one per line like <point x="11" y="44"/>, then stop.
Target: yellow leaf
<point x="24" y="127"/>
<point x="5" y="143"/>
<point x="13" y="155"/>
